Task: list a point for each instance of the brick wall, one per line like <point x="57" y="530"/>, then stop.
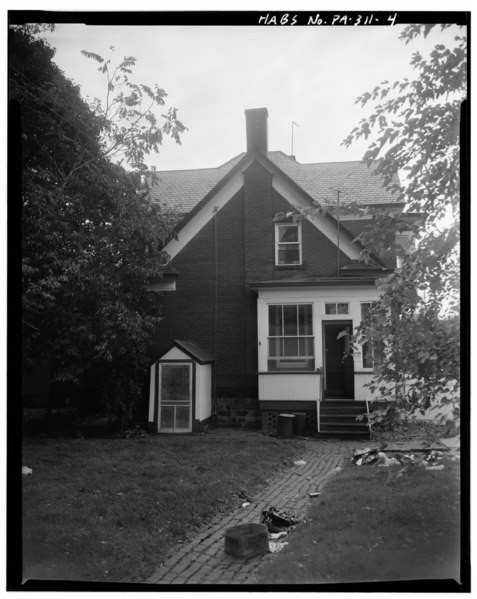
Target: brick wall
<point x="211" y="296"/>
<point x="213" y="304"/>
<point x="320" y="255"/>
<point x="355" y="227"/>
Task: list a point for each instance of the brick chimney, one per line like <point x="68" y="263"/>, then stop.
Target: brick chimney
<point x="257" y="129"/>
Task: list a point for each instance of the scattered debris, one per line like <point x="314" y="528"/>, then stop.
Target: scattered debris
<point x="276" y="521"/>
<point x="434" y="457"/>
<point x="276" y="546"/>
<point x="387" y="462"/>
<point x="26" y="470"/>
<point x="365" y="456"/>
<point x="273" y="536"/>
<point x="439" y="467"/>
<point x="300" y="463"/>
<point x="432" y="460"/>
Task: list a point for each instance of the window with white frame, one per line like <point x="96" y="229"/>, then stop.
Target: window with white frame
<point x="373" y="348"/>
<point x="337" y="308"/>
<point x="288" y="244"/>
<point x="290" y="337"/>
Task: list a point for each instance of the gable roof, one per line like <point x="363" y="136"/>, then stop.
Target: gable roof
<point x="232" y="182"/>
<point x="194" y="351"/>
<point x="182" y="190"/>
<point x="321" y="180"/>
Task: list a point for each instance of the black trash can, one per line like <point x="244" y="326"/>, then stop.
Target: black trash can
<point x="285" y="425"/>
<point x="299" y="424"/>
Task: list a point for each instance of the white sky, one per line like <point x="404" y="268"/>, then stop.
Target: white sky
<point x="311" y="75"/>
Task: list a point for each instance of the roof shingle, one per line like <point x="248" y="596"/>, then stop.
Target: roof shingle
<point x="182" y="190"/>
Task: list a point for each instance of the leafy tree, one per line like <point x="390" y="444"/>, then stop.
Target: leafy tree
<point x="90" y="242"/>
<point x="130" y="129"/>
<point x="416" y="124"/>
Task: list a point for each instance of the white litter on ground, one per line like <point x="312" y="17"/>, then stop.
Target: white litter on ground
<point x="276" y="546"/>
<point x="389" y="462"/>
<point x="273" y="536"/>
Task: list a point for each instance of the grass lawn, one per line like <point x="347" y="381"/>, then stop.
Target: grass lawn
<point x="368" y="526"/>
<point x="111" y="509"/>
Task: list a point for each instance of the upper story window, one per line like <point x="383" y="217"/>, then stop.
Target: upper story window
<point x="288" y="244"/>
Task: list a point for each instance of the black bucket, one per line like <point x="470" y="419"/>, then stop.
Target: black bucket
<point x="285" y="425"/>
<point x="299" y="424"/>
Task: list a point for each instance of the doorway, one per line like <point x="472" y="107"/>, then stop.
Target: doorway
<point x="338" y="365"/>
<point x="175" y="397"/>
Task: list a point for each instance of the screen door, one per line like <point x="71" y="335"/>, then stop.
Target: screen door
<point x="175" y="398"/>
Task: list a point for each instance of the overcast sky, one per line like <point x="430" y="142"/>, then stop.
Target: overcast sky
<point x="310" y="75"/>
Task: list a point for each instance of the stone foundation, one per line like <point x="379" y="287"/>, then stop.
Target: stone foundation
<point x="237" y="411"/>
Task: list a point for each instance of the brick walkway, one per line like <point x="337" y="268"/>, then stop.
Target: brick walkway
<point x="203" y="561"/>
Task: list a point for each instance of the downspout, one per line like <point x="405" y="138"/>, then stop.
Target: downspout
<point x="320" y="398"/>
<point x="338" y="244"/>
<point x="216" y="304"/>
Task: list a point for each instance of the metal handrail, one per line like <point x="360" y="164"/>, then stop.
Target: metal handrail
<point x="320" y="398"/>
<point x="368" y="420"/>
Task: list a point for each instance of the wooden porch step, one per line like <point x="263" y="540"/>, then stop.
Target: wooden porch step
<point x="343" y="414"/>
<point x="339" y="434"/>
<point x="342" y="404"/>
<point x="343" y="420"/>
<point x="338" y="418"/>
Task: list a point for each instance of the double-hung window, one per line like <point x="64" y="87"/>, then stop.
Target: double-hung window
<point x="290" y="337"/>
<point x="288" y="244"/>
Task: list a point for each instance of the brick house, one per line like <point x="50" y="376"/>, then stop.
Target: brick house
<point x="258" y="289"/>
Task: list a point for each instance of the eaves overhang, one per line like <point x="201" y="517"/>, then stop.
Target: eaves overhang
<point x="326" y="216"/>
<point x="165" y="282"/>
<point x="315" y="282"/>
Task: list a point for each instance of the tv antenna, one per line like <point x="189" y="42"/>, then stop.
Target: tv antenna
<point x="293" y="124"/>
<point x="338" y="191"/>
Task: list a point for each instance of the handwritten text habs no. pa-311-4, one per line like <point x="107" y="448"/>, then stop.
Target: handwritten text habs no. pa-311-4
<point x="343" y="19"/>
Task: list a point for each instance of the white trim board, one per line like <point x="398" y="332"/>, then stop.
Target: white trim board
<point x="207" y="212"/>
<point x="281" y="186"/>
<point x="322" y="224"/>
